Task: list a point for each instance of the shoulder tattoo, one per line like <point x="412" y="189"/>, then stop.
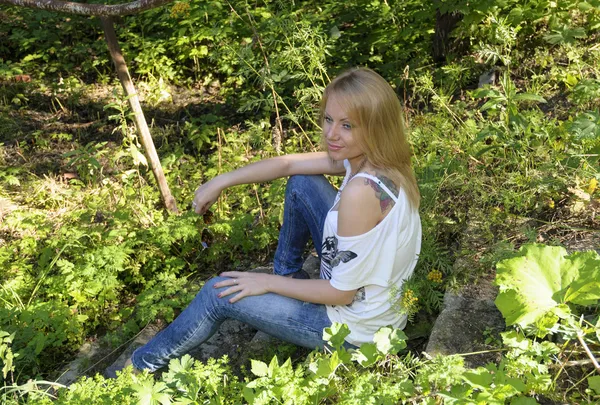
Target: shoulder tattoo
<point x="385" y="201"/>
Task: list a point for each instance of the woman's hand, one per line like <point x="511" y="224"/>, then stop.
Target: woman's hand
<point x="245" y="283"/>
<point x="206" y="195"/>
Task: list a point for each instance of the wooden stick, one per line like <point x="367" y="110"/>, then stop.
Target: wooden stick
<point x="580" y="335"/>
<point x="140" y="120"/>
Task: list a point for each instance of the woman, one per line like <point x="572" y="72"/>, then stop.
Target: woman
<point x="368" y="234"/>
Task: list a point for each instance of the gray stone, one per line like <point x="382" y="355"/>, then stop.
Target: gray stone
<point x="470" y="312"/>
<point x="460" y="328"/>
<point x="584" y="242"/>
<point x="73" y="370"/>
<point x="231" y="339"/>
<point x="312" y="265"/>
<point x="139" y="340"/>
<point x="488" y="78"/>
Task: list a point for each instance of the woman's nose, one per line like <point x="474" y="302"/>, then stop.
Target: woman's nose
<point x="332" y="132"/>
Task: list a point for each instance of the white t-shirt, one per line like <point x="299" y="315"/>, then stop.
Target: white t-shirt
<point x="373" y="263"/>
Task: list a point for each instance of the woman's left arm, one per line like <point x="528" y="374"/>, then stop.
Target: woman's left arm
<point x="315" y="291"/>
<point x="358" y="213"/>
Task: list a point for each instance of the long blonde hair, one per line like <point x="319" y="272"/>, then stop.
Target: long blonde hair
<point x="378" y="127"/>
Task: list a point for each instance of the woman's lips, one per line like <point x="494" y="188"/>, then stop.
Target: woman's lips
<point x="333" y="147"/>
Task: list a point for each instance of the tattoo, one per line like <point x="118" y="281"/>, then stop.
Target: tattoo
<point x="385" y="201"/>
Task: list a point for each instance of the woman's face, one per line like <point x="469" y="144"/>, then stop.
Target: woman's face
<point x="337" y="130"/>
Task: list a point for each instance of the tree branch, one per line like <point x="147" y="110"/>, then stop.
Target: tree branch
<point x="89" y="9"/>
<point x="580" y="335"/>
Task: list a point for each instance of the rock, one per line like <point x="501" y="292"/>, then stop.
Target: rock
<point x="259" y="345"/>
<point x="139" y="340"/>
<point x="418" y="331"/>
<point x="460" y="328"/>
<point x="470" y="312"/>
<point x="74" y="369"/>
<point x="488" y="78"/>
<point x="583" y="243"/>
<point x="312" y="265"/>
<point x="231" y="339"/>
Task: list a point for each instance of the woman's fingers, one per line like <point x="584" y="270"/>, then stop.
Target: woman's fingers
<point x="200" y="206"/>
<point x="229" y="291"/>
<point x="238" y="297"/>
<point x="231" y="281"/>
<point x="244" y="284"/>
<point x="233" y="274"/>
<point x="205" y="196"/>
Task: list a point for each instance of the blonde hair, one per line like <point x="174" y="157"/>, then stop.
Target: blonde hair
<point x="377" y="124"/>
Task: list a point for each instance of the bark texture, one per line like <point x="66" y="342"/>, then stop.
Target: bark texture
<point x="100" y="10"/>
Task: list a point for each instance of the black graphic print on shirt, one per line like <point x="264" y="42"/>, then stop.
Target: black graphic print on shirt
<point x="330" y="257"/>
<point x="359" y="296"/>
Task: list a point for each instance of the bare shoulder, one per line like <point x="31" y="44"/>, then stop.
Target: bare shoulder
<point x="385" y="200"/>
<point x="358" y="211"/>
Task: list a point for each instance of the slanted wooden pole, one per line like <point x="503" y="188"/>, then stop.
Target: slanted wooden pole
<point x="140" y="120"/>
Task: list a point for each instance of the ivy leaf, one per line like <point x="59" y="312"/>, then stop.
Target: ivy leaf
<point x="529" y="97"/>
<point x="457" y="393"/>
<point x="565" y="35"/>
<point x="534" y="283"/>
<point x="183" y="364"/>
<point x="327" y="366"/>
<point x="517" y="384"/>
<point x="273" y="367"/>
<point x="528" y="283"/>
<point x="586" y="126"/>
<point x="149" y="393"/>
<point x="248" y="394"/>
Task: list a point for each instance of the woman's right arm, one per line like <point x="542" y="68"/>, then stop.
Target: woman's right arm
<point x="265" y="170"/>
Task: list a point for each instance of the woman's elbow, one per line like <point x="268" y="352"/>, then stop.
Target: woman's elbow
<point x="345" y="297"/>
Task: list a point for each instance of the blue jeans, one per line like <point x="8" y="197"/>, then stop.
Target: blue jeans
<point x="307" y="200"/>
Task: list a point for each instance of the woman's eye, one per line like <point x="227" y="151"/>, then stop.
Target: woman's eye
<point x="328" y="120"/>
<point x="347" y="126"/>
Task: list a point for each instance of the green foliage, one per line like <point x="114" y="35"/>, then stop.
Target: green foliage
<point x="94" y="253"/>
<point x="6" y="354"/>
<point x="587" y="126"/>
<point x="506" y="101"/>
<point x="537" y="285"/>
<point x="85" y="160"/>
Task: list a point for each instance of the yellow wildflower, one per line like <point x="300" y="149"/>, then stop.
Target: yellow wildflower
<point x="592" y="186"/>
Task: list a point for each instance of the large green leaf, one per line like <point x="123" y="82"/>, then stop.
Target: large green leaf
<point x="585" y="289"/>
<point x="535" y="284"/>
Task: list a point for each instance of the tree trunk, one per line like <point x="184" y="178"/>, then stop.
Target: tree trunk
<point x="443" y="44"/>
<point x="89" y="9"/>
<point x="140" y="120"/>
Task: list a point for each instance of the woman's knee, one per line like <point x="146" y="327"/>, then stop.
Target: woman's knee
<point x="304" y="183"/>
<point x="210" y="284"/>
<point x="208" y="293"/>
